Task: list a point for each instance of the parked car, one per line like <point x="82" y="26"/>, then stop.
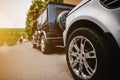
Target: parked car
<point x="50" y="26"/>
<point x="92" y="40"/>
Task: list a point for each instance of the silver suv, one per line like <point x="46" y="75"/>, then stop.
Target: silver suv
<point x="92" y="40"/>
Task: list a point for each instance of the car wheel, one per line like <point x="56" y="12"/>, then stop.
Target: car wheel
<point x="87" y="55"/>
<point x="43" y="45"/>
<point x="34" y="46"/>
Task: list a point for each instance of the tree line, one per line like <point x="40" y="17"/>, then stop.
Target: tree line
<point x="10" y="36"/>
<point x="34" y="11"/>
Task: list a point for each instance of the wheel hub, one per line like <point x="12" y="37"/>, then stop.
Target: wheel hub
<point x="82" y="57"/>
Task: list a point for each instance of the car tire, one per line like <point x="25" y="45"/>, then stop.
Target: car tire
<point x="87" y="55"/>
<point x="44" y="46"/>
<point x="34" y="46"/>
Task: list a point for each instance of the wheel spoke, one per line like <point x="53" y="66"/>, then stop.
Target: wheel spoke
<point x="75" y="45"/>
<point x="72" y="53"/>
<point x="88" y="68"/>
<point x="83" y="41"/>
<point x="82" y="44"/>
<point x="74" y="63"/>
<point x="90" y="54"/>
<point x="80" y="67"/>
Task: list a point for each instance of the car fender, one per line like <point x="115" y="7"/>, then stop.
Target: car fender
<point x="108" y="23"/>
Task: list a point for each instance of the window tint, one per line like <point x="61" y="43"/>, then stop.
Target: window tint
<point x="111" y="3"/>
<point x="44" y="17"/>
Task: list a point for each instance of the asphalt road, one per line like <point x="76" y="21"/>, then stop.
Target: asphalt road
<point x="22" y="62"/>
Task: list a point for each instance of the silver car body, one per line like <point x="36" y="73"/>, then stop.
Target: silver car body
<point x="107" y="19"/>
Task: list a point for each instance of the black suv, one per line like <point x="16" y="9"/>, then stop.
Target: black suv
<point x="50" y="26"/>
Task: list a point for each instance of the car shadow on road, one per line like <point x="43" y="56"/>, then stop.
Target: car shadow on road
<point x="59" y="50"/>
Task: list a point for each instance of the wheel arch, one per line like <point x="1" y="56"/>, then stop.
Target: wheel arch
<point x="83" y="23"/>
<point x="43" y="33"/>
<point x="111" y="42"/>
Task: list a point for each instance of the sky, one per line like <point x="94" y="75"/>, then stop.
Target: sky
<point x="13" y="13"/>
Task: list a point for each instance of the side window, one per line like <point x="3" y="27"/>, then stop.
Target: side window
<point x="44" y="17"/>
<point x="39" y="20"/>
<point x="110" y="3"/>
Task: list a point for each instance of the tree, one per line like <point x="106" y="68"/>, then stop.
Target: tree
<point x="34" y="11"/>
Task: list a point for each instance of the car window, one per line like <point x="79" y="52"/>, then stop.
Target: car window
<point x="44" y="16"/>
<point x="110" y="3"/>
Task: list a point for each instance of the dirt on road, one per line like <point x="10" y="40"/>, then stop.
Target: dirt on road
<point x="22" y="62"/>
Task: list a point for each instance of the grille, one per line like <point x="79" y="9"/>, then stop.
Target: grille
<point x="111" y="3"/>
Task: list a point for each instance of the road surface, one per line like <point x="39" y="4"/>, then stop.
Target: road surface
<point x="22" y="62"/>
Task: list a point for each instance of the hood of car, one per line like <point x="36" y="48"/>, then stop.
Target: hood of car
<point x="82" y="3"/>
